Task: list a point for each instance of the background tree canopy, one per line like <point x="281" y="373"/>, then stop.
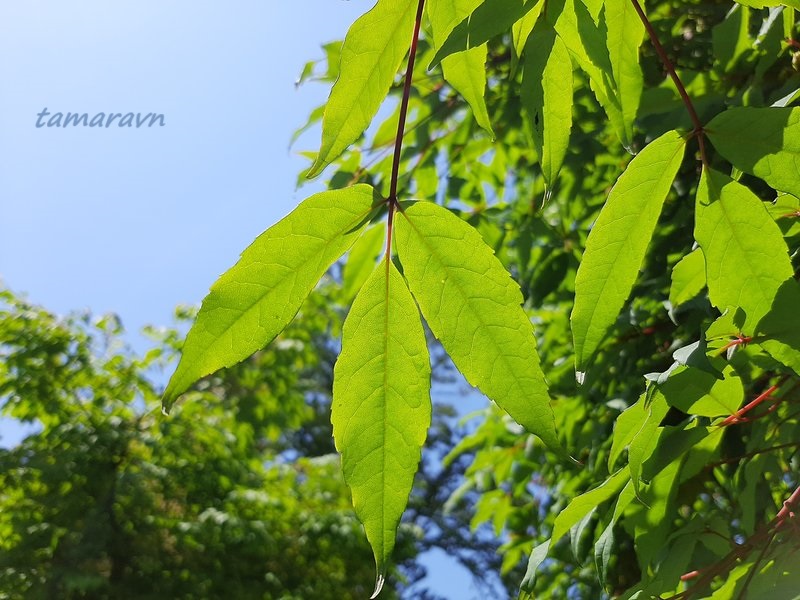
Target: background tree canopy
<point x="634" y="169"/>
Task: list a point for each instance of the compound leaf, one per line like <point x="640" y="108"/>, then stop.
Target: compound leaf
<point x="257" y="297"/>
<point x="381" y="407"/>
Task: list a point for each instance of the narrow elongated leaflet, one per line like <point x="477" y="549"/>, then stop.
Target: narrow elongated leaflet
<point x="625" y="35"/>
<point x="256" y="298"/>
<point x="762" y="141"/>
<point x="521" y="30"/>
<point x="547" y="97"/>
<point x="490" y="18"/>
<point x="645" y="440"/>
<point x="474" y="308"/>
<point x="618" y="242"/>
<point x="747" y="259"/>
<point x="587" y="43"/>
<point x="381" y="407"/>
<point x="372" y="52"/>
<point x="571" y="515"/>
<point x="464" y="71"/>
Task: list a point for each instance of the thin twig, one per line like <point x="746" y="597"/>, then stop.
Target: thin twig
<point x="698" y="130"/>
<point x="401" y="124"/>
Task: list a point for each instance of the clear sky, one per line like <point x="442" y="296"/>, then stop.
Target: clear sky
<point x="137" y="220"/>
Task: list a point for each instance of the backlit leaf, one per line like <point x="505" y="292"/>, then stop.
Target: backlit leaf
<point x="587" y="42"/>
<point x="361" y="260"/>
<point x="372" y="52"/>
<point x="257" y="297"/>
<point x="522" y="29"/>
<point x="381" y="407"/>
<point x="688" y="278"/>
<point x="490" y="18"/>
<point x="746" y="256"/>
<point x="696" y="392"/>
<point x="618" y="242"/>
<point x="547" y="97"/>
<point x="464" y="71"/>
<point x="474" y="308"/>
<point x="625" y="35"/>
<point x="762" y="141"/>
<point x="570" y="516"/>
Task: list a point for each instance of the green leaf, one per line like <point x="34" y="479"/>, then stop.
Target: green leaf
<point x="762" y="141"/>
<point x="618" y="242"/>
<point x="547" y="97"/>
<point x="696" y="392"/>
<point x="766" y="3"/>
<point x="257" y="297"/>
<point x="474" y="308"/>
<point x="605" y="543"/>
<point x="731" y="38"/>
<point x="587" y="41"/>
<point x="645" y="440"/>
<point x="490" y="18"/>
<point x="372" y="52"/>
<point x="688" y="278"/>
<point x="381" y="407"/>
<point x="464" y="71"/>
<point x="652" y="527"/>
<point x="626" y="426"/>
<point x="521" y="30"/>
<point x="746" y="256"/>
<point x="781" y="327"/>
<point x="570" y="516"/>
<point x="361" y="260"/>
<point x="625" y="35"/>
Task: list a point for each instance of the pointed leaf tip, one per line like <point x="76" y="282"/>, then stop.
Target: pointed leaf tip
<point x="379" y="581"/>
<point x="381" y="407"/>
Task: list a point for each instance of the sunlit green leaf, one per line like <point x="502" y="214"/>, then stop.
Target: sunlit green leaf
<point x="465" y="71"/>
<point x="688" y="278"/>
<point x="731" y="38"/>
<point x="474" y="308"/>
<point x="645" y="440"/>
<point x="625" y="34"/>
<point x="547" y="97"/>
<point x="361" y="260"/>
<point x="696" y="392"/>
<point x="587" y="43"/>
<point x="522" y="29"/>
<point x="257" y="297"/>
<point x="570" y="516"/>
<point x="746" y="256"/>
<point x="381" y="406"/>
<point x="490" y="18"/>
<point x="618" y="242"/>
<point x="371" y="56"/>
<point x="762" y="141"/>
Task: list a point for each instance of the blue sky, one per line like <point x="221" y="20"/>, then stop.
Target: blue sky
<point x="136" y="221"/>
